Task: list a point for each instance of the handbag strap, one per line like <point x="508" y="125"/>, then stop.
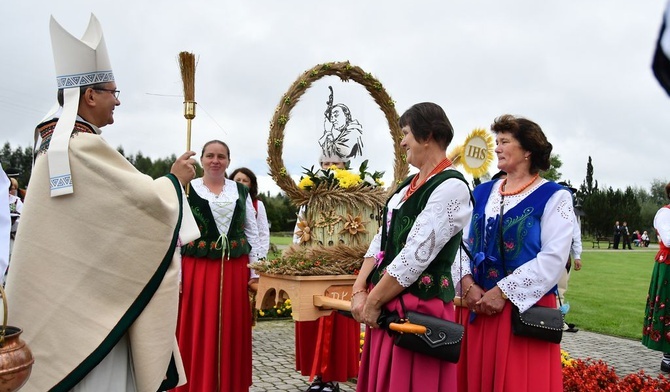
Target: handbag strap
<point x="502" y="248"/>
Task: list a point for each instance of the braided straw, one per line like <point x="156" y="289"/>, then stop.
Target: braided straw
<point x="346" y="72"/>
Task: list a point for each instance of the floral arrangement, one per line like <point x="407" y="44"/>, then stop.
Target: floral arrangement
<point x="342" y="178"/>
<point x="283" y="310"/>
<point x="591" y="375"/>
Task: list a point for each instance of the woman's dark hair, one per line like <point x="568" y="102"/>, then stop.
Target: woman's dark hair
<point x="212" y="142"/>
<point x="530" y="136"/>
<point x="667" y="190"/>
<point x="428" y="120"/>
<point x="253" y="187"/>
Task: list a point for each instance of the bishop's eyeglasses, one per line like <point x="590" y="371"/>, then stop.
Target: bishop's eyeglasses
<point x="114" y="92"/>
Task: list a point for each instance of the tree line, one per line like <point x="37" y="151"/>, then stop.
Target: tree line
<point x="281" y="212"/>
<point x="600" y="207"/>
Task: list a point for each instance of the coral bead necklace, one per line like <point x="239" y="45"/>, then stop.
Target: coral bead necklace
<point x="517" y="191"/>
<point x="415" y="184"/>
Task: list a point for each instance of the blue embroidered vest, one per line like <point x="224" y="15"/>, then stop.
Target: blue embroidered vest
<point x="435" y="281"/>
<point x="208" y="245"/>
<point x="521" y="234"/>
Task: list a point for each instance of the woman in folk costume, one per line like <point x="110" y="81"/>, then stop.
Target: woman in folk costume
<point x="248" y="178"/>
<point x="214" y="327"/>
<point x="95" y="263"/>
<point x="5" y="226"/>
<point x="328" y="348"/>
<point x="535" y="237"/>
<point x="656" y="330"/>
<point x="411" y="258"/>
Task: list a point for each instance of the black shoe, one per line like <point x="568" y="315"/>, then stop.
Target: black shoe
<point x="571" y="328"/>
<point x="331" y="387"/>
<point x="317" y="385"/>
<point x="665" y="367"/>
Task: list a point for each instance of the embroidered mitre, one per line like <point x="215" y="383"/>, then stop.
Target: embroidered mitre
<point x="79" y="62"/>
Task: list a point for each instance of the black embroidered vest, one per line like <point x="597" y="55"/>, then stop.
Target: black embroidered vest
<point x="208" y="245"/>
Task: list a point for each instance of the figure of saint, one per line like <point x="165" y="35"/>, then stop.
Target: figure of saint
<point x="342" y="134"/>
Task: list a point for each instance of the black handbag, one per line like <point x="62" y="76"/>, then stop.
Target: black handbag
<point x="538" y="322"/>
<point x="442" y="339"/>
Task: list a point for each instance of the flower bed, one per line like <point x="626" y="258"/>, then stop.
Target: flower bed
<point x="284" y="310"/>
<point x="596" y="375"/>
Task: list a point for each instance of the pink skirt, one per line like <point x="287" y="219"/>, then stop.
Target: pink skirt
<point x="386" y="367"/>
<point x="493" y="359"/>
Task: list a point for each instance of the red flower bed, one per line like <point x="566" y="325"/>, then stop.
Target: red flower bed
<point x="592" y="375"/>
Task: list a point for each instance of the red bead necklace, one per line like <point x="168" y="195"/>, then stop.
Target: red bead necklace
<point x="516" y="192"/>
<point x="414" y="185"/>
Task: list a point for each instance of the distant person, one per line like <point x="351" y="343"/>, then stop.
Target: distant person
<point x="616" y="235"/>
<point x="248" y="178"/>
<point x="645" y="239"/>
<point x="15" y="209"/>
<point x="5" y="228"/>
<point x="575" y="257"/>
<point x="625" y="233"/>
<point x="329" y="344"/>
<point x="656" y="327"/>
<point x="637" y="238"/>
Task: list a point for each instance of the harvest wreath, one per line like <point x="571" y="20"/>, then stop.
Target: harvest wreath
<point x="342" y="209"/>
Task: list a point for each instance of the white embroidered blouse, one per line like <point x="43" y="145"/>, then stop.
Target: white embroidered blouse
<point x="528" y="283"/>
<point x="223" y="206"/>
<point x="447" y="211"/>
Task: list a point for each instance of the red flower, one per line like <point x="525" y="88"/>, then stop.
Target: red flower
<point x="201" y="244"/>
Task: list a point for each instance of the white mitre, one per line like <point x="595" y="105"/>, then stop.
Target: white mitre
<point x="79" y="62"/>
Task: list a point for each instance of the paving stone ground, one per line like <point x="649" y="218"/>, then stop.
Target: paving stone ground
<point x="274" y="355"/>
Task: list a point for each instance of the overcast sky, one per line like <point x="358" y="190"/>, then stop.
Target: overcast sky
<point x="580" y="69"/>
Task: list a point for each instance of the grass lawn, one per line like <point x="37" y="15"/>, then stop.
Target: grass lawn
<point x="608" y="294"/>
<point x="281" y="240"/>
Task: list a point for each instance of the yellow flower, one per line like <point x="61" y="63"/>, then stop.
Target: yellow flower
<point x="278" y="311"/>
<point x="305" y="182"/>
<point x="261" y="313"/>
<point x="346" y="179"/>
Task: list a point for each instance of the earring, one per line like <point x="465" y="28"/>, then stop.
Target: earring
<point x="526" y="158"/>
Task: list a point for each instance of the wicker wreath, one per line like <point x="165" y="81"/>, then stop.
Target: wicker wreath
<point x="359" y="194"/>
